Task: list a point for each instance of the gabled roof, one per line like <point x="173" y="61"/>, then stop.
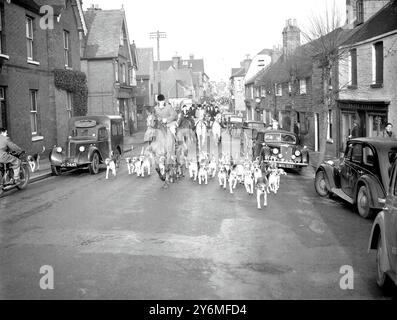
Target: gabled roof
<point x="384" y="21"/>
<point x="145" y="61"/>
<point x="104" y="29"/>
<point x="239" y="73"/>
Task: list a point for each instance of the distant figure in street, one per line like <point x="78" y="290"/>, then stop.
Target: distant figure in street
<point x="356" y="131"/>
<point x="275" y="124"/>
<point x="388" y="133"/>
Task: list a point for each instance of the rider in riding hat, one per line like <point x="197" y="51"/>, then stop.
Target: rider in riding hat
<point x="166" y="114"/>
<point x="7" y="145"/>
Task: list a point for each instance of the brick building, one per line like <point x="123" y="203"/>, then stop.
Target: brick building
<point x="110" y="63"/>
<point x="182" y="78"/>
<point x="369" y="78"/>
<point x="237" y="89"/>
<point x="32" y="109"/>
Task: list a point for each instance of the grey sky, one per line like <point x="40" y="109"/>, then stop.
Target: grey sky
<point x="220" y="32"/>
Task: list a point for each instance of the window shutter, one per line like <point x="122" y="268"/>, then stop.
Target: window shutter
<point x="354" y="66"/>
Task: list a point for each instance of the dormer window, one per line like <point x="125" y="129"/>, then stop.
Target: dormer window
<point x="360" y="11"/>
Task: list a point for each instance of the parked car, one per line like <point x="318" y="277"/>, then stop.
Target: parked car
<point x="383" y="238"/>
<point x="281" y="147"/>
<point x="91" y="140"/>
<point x="361" y="176"/>
<point x="249" y="130"/>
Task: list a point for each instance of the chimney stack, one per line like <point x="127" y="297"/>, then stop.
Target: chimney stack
<point x="291" y="37"/>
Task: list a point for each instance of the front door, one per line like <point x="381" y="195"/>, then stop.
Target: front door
<point x="350" y="172"/>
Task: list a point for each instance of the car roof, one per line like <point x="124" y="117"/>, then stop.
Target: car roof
<point x="279" y="131"/>
<point x="378" y="143"/>
<point x="253" y="121"/>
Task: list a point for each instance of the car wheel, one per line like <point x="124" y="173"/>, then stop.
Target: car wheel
<point x="382" y="279"/>
<point x="320" y="184"/>
<point x="363" y="203"/>
<point x="24" y="175"/>
<point x="94" y="165"/>
<point x="56" y="171"/>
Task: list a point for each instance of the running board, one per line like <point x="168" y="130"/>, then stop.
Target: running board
<point x="342" y="195"/>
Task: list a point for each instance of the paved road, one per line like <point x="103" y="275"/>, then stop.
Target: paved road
<point x="127" y="238"/>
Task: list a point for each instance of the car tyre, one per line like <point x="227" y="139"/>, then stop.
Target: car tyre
<point x="382" y="279"/>
<point x="56" y="171"/>
<point x="94" y="165"/>
<point x="363" y="207"/>
<point x="320" y="184"/>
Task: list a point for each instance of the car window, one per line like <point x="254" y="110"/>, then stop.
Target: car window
<point x="349" y="151"/>
<point x="368" y="157"/>
<point x="102" y="134"/>
<point x="357" y="153"/>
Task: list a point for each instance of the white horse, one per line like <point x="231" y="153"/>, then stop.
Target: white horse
<point x="217" y="129"/>
<point x="201" y="131"/>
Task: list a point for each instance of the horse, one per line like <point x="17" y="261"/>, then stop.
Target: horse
<point x="201" y="131"/>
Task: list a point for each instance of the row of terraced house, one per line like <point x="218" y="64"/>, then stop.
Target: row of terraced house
<point x="362" y="88"/>
<point x="59" y="61"/>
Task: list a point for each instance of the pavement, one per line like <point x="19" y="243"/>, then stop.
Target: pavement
<point x="135" y="140"/>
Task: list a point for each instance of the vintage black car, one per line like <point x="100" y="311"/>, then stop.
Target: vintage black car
<point x="91" y="140"/>
<point x="281" y="147"/>
<point x="383" y="238"/>
<point x="361" y="176"/>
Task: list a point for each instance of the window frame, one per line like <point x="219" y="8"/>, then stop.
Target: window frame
<point x="330" y="125"/>
<point x="278" y="88"/>
<point x="377" y="63"/>
<point x="116" y="71"/>
<point x="302" y="84"/>
<point x="353" y="71"/>
<point x="359" y="12"/>
<point x="29" y="37"/>
<point x="66" y="48"/>
<point x="69" y="104"/>
<point x="3" y="104"/>
<point x="34" y="112"/>
<point x="1" y="29"/>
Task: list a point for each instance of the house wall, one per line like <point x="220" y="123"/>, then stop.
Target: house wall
<point x="101" y="80"/>
<point x="18" y="77"/>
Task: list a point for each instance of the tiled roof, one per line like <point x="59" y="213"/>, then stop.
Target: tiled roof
<point x="145" y="61"/>
<point x="300" y="63"/>
<point x="104" y="29"/>
<point x="239" y="72"/>
<point x="197" y="64"/>
<point x="384" y="21"/>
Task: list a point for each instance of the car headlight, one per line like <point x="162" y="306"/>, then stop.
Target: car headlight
<point x="280" y="156"/>
<point x="59" y="150"/>
<point x="293" y="157"/>
<point x="82" y="149"/>
<point x="297" y="153"/>
<point x="275" y="151"/>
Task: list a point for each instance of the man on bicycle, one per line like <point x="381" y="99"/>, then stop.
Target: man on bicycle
<point x="7" y="145"/>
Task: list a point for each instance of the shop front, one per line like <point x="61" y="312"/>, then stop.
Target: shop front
<point x="370" y="118"/>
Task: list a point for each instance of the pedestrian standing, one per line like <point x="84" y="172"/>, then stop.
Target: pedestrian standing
<point x="388" y="133"/>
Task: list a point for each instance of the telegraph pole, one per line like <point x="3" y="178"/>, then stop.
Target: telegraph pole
<point x="158" y="35"/>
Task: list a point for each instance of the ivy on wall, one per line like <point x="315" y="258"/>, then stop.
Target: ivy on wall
<point x="76" y="83"/>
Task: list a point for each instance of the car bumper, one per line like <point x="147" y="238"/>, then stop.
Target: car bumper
<point x="288" y="165"/>
<point x="60" y="160"/>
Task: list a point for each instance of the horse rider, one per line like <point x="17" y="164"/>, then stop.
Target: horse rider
<point x="185" y="124"/>
<point x="166" y="114"/>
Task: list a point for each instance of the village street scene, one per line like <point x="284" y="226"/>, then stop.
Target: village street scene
<point x="129" y="171"/>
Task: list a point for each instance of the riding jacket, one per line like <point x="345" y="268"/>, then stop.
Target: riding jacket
<point x="6" y="144"/>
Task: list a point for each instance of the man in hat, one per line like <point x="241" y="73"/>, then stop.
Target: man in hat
<point x="388" y="133"/>
<point x="166" y="114"/>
